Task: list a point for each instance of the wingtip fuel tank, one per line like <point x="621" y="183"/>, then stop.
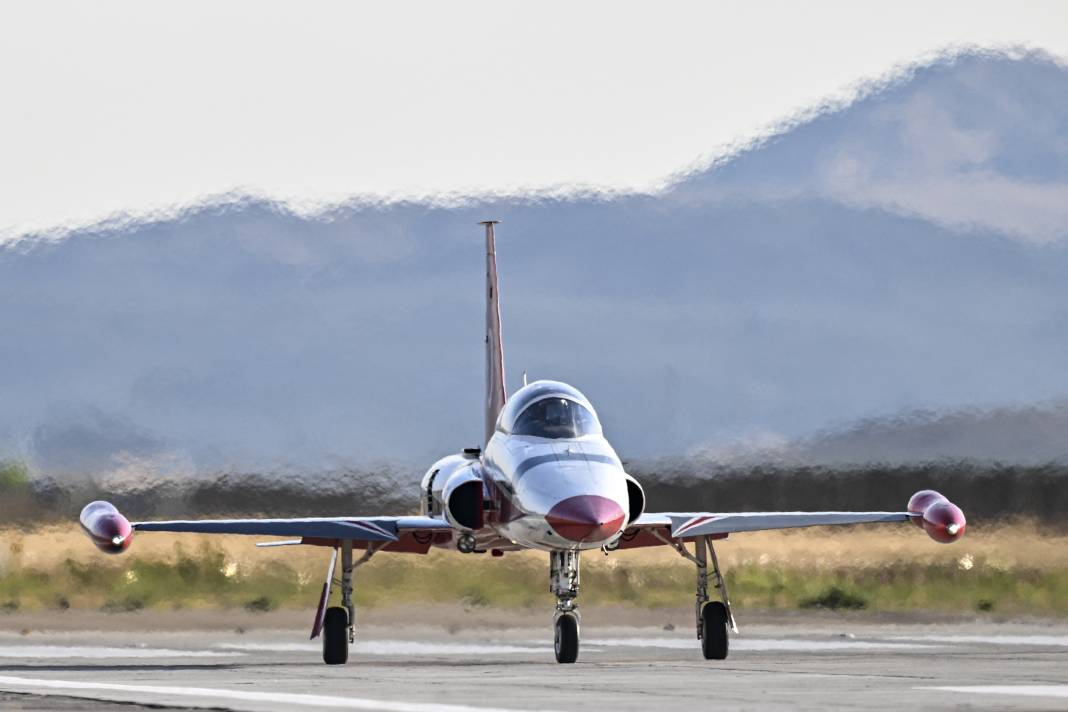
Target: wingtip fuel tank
<point x="110" y="531"/>
<point x="941" y="519"/>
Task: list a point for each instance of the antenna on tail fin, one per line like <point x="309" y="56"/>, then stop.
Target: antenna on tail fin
<point x="495" y="390"/>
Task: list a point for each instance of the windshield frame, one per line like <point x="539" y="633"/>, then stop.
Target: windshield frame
<point x="535" y="391"/>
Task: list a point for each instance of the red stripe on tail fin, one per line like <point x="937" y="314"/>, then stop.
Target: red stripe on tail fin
<point x="495" y="388"/>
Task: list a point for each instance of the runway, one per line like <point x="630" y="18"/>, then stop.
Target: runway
<point x="827" y="664"/>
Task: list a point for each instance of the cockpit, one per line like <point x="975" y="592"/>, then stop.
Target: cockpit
<point x="548" y="409"/>
<point x="556" y="418"/>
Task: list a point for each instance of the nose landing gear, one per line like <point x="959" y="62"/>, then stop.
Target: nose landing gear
<point x="564" y="584"/>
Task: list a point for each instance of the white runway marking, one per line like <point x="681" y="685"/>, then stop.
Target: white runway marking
<point x="757" y="644"/>
<point x="1022" y="690"/>
<point x="392" y="647"/>
<point x="296" y="700"/>
<point x="1041" y="640"/>
<point x="88" y="651"/>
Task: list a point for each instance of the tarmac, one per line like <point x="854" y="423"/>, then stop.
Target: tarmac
<point x="474" y="663"/>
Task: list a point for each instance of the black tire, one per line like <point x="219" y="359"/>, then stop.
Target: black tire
<point x="714" y="631"/>
<point x="567" y="638"/>
<point x="336" y="636"/>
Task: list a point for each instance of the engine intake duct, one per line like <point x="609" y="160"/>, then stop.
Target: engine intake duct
<point x="462" y="498"/>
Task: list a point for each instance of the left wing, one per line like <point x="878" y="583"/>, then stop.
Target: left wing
<point x="691" y="524"/>
<point x="942" y="520"/>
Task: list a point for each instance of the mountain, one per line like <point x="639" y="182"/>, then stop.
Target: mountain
<point x="905" y="253"/>
<point x="1029" y="436"/>
<point x="976" y="142"/>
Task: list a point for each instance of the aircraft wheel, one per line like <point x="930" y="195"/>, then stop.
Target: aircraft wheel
<point x="567" y="638"/>
<point x="336" y="636"/>
<point x="714" y="631"/>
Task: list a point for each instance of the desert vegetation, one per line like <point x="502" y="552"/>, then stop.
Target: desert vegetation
<point x="1013" y="561"/>
<point x="1004" y="569"/>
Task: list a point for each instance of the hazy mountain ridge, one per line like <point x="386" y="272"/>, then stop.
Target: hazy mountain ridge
<point x="1028" y="435"/>
<point x="931" y="140"/>
<point x="762" y="296"/>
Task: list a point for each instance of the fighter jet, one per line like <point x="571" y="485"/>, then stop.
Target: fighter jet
<point x="547" y="479"/>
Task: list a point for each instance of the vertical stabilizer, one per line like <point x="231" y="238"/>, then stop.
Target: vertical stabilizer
<point x="495" y="391"/>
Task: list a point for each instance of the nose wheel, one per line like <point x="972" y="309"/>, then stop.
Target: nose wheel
<point x="567" y="638"/>
<point x="564" y="584"/>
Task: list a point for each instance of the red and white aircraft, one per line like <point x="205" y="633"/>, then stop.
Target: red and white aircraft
<point x="546" y="479"/>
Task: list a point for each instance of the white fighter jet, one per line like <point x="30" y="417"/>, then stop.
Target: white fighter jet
<point x="546" y="479"/>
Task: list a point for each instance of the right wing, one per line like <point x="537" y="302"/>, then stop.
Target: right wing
<point x="398" y="534"/>
<point x="356" y="528"/>
<point x="111" y="532"/>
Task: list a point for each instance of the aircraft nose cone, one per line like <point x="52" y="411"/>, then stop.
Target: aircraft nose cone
<point x="587" y="517"/>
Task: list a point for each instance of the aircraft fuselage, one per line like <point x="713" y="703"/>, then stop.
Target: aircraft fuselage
<point x="551" y="480"/>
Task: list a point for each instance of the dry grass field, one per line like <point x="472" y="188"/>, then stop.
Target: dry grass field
<point x="1005" y="569"/>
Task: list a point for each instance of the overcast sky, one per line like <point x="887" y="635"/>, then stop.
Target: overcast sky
<point x="132" y="106"/>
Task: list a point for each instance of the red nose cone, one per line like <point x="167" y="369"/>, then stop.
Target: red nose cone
<point x="586" y="518"/>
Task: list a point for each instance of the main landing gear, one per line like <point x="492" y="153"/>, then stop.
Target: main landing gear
<point x="713" y="617"/>
<point x="339" y="622"/>
<point x="564" y="584"/>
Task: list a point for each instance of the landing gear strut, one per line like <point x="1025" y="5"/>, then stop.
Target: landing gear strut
<point x="713" y="617"/>
<point x="339" y="623"/>
<point x="564" y="584"/>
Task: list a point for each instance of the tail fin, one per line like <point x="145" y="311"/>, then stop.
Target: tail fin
<point x="495" y="390"/>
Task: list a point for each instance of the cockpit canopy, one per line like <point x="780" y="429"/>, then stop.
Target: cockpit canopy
<point x="554" y="417"/>
<point x="549" y="409"/>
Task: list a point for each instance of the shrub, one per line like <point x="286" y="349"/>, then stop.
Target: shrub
<point x="835" y="598"/>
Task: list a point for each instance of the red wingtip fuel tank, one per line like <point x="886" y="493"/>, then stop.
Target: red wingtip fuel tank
<point x="108" y="529"/>
<point x="941" y="519"/>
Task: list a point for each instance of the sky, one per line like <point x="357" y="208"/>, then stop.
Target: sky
<point x="133" y="108"/>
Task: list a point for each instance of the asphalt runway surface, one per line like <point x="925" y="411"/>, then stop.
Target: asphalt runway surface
<point x="795" y="664"/>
